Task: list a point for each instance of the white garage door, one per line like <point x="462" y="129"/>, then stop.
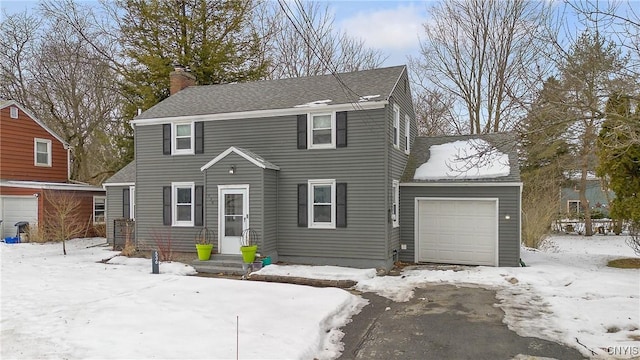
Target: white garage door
<point x="17" y="208"/>
<point x="456" y="231"/>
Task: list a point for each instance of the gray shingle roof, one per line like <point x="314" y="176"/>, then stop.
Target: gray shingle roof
<point x="505" y="143"/>
<point x="276" y="94"/>
<point x="126" y="175"/>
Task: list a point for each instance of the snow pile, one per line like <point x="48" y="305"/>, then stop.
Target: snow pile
<point x="464" y="159"/>
<point x="318" y="272"/>
<point x="76" y="307"/>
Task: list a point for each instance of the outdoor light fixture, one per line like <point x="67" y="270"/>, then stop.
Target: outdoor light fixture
<point x="507" y="217"/>
<point x="232" y="170"/>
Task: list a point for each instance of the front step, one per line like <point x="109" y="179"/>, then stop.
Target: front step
<point x="220" y="264"/>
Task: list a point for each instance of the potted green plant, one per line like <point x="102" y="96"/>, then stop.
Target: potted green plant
<point x="204" y="246"/>
<point x="249" y="245"/>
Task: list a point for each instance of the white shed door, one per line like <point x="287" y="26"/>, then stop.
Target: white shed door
<point x="455" y="231"/>
<point x="17" y="208"/>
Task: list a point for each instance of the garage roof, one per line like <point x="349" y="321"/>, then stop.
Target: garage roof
<point x="503" y="142"/>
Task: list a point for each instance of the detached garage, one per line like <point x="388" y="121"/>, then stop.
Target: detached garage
<point x="460" y="201"/>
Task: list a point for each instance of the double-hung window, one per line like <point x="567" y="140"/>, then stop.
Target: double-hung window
<point x="132" y="202"/>
<point x="13" y="112"/>
<point x="182" y="203"/>
<point x="322" y="131"/>
<point x="322" y="204"/>
<point x="183" y="139"/>
<point x="396" y="126"/>
<point x="407" y="135"/>
<point x="42" y="152"/>
<point x="99" y="209"/>
<point x="395" y="189"/>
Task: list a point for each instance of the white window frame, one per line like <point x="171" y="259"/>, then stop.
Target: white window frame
<point x="132" y="202"/>
<point x="104" y="210"/>
<point x="310" y="117"/>
<point x="396" y="126"/>
<point x="578" y="207"/>
<point x="174" y="203"/>
<point x="174" y="139"/>
<point x="407" y="135"/>
<point x="395" y="203"/>
<point x="13" y="112"/>
<point x="322" y="225"/>
<point x="37" y="141"/>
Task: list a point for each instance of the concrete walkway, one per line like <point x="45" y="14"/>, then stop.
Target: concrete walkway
<point x="442" y="322"/>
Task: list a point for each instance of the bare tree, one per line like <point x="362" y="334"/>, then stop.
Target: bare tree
<point x="307" y="44"/>
<point x="485" y="53"/>
<point x="435" y="114"/>
<point x="61" y="217"/>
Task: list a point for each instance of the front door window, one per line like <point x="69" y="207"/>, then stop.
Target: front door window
<point x="234" y="214"/>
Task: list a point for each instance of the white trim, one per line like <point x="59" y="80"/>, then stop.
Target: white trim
<point x="93" y="214"/>
<point x="174" y="139"/>
<point x="132" y="202"/>
<point x="395" y="194"/>
<point x="47" y="142"/>
<point x="407" y="135"/>
<point x="245" y="205"/>
<point x="234" y="149"/>
<point x="396" y="126"/>
<point x="310" y="203"/>
<point x="49" y="185"/>
<point x="119" y="184"/>
<point x="310" y="117"/>
<point x="464" y="184"/>
<point x="174" y="203"/>
<point x="32" y="117"/>
<point x="259" y="113"/>
<point x="416" y="215"/>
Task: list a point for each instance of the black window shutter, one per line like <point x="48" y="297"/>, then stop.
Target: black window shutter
<point x="166" y="205"/>
<point x="126" y="205"/>
<point x="341" y="205"/>
<point x="302" y="205"/>
<point x="302" y="131"/>
<point x="199" y="137"/>
<point x="199" y="213"/>
<point x="166" y="139"/>
<point x="341" y="129"/>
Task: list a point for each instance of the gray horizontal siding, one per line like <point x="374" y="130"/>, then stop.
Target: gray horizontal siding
<point x="508" y="230"/>
<point x="270" y="214"/>
<point x="114" y="208"/>
<point x="360" y="165"/>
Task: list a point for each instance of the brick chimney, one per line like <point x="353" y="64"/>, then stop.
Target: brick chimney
<point x="180" y="78"/>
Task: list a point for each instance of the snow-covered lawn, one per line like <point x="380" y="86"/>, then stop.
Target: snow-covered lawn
<point x="74" y="307"/>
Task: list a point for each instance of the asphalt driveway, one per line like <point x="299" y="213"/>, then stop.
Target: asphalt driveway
<point x="441" y="322"/>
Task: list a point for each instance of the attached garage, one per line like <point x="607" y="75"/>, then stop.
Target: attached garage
<point x="17" y="208"/>
<point x="457" y="231"/>
<point x="448" y="216"/>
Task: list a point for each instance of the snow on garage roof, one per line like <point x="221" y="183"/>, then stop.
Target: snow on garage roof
<point x="464" y="159"/>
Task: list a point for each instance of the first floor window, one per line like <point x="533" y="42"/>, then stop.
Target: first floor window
<point x="574" y="207"/>
<point x="99" y="209"/>
<point x="322" y="200"/>
<point x="182" y="201"/>
<point x="394" y="205"/>
<point x="42" y="152"/>
<point x="132" y="202"/>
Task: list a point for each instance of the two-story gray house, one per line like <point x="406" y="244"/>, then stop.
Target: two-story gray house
<point x="312" y="164"/>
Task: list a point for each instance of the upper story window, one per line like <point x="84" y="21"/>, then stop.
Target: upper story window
<point x="407" y="135"/>
<point x="183" y="139"/>
<point x="42" y="152"/>
<point x="395" y="189"/>
<point x="182" y="203"/>
<point x="396" y="126"/>
<point x="99" y="209"/>
<point x="13" y="112"/>
<point x="322" y="131"/>
<point x="322" y="204"/>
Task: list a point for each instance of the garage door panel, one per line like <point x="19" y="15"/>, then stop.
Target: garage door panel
<point x="457" y="231"/>
<point x="17" y="208"/>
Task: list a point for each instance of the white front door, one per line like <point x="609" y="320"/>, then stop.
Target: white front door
<point x="233" y="218"/>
